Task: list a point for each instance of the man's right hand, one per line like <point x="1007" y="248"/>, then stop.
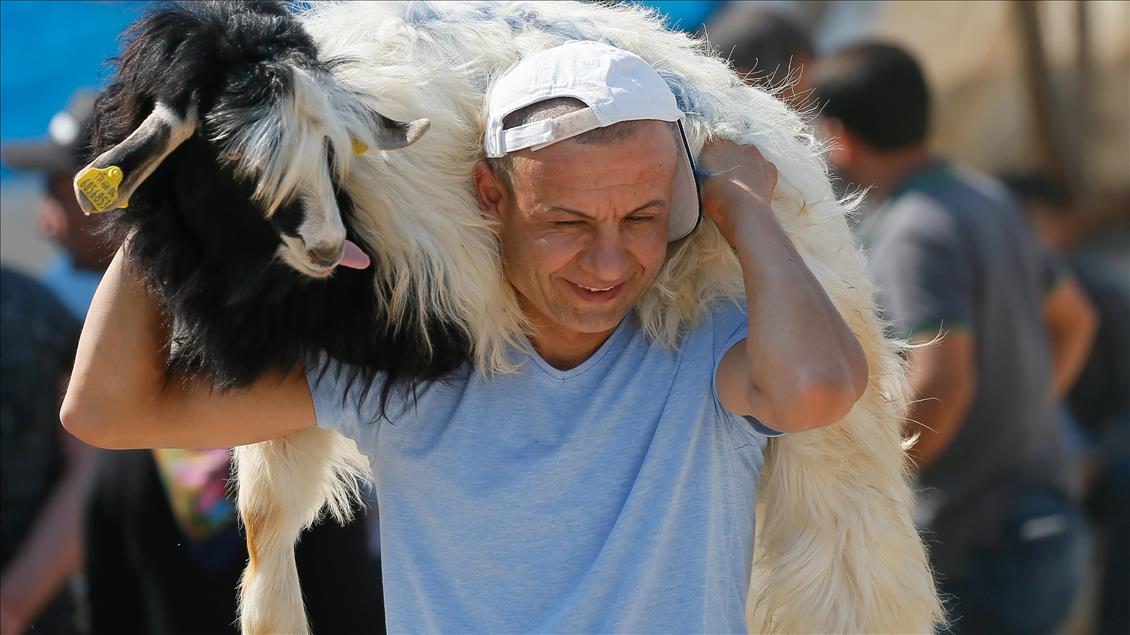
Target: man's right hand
<point x="741" y="181"/>
<point x="118" y="397"/>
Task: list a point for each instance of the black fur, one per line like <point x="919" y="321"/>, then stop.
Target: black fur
<point x="202" y="243"/>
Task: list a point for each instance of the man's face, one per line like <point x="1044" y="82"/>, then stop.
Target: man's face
<point x="845" y="155"/>
<point x="838" y="156"/>
<point x="1056" y="227"/>
<point x="61" y="219"/>
<point x="584" y="232"/>
<point x="796" y="79"/>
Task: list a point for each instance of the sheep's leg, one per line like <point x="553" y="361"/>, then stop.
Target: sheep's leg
<point x="838" y="551"/>
<point x="284" y="485"/>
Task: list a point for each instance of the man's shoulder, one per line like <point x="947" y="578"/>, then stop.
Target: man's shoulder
<point x="31" y="314"/>
<point x="22" y="294"/>
<point x="914" y="213"/>
<point x="724" y="324"/>
<point x="965" y="197"/>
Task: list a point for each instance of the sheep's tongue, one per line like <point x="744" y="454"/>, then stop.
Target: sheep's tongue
<point x="353" y="257"/>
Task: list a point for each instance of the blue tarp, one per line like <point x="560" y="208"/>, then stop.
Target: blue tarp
<point x="49" y="49"/>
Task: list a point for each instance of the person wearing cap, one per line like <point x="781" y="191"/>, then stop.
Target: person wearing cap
<point x="999" y="331"/>
<point x="45" y="472"/>
<point x="606" y="484"/>
<point x="75" y="273"/>
<point x="768" y="48"/>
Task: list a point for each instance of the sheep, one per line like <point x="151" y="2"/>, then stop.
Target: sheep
<point x="232" y="140"/>
<point x="837" y="551"/>
<point x="224" y="145"/>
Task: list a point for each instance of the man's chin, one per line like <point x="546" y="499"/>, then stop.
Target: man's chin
<point x="575" y="314"/>
<point x="595" y="327"/>
<point x="588" y="319"/>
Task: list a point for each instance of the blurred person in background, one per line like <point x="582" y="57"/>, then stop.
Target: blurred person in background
<point x="1099" y="402"/>
<point x="768" y="49"/>
<point x="43" y="471"/>
<point x="84" y="253"/>
<point x="166" y="552"/>
<point x="1001" y="331"/>
<point x="46" y="472"/>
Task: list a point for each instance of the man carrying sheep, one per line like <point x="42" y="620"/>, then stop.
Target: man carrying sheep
<point x="606" y="484"/>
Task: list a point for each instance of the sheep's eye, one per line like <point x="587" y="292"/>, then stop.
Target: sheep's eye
<point x="330" y="156"/>
<point x="288" y="217"/>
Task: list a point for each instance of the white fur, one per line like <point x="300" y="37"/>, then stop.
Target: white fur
<point x="284" y="486"/>
<point x="282" y="148"/>
<point x="836" y="552"/>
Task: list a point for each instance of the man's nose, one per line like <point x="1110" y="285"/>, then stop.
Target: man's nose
<point x="607" y="256"/>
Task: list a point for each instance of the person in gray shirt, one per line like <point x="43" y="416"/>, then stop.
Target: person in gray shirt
<point x="1002" y="331"/>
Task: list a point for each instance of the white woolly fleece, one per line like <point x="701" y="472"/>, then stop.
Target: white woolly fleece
<point x="837" y="551"/>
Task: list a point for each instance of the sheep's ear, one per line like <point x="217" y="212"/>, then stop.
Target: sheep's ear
<point x="392" y="134"/>
<point x="109" y="180"/>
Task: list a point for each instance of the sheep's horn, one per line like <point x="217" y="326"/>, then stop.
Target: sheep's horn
<point x="109" y="180"/>
<point x="392" y="134"/>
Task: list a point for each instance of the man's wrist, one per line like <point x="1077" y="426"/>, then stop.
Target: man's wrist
<point x="14" y="609"/>
<point x="738" y="197"/>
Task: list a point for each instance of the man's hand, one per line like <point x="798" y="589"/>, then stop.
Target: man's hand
<point x="739" y="176"/>
<point x="12" y="621"/>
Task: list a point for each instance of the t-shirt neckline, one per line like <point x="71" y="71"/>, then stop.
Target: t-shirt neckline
<point x="607" y="347"/>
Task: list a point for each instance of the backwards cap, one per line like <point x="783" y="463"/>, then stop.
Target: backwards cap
<point x="616" y="86"/>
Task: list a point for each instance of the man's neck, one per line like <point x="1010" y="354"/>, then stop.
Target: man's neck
<point x="891" y="169"/>
<point x="565" y="349"/>
<point x="561" y="347"/>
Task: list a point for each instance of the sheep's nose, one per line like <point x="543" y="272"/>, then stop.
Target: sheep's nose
<point x="325" y="254"/>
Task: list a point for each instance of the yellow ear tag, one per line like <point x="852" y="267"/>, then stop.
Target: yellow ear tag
<point x="358" y="147"/>
<point x="100" y="186"/>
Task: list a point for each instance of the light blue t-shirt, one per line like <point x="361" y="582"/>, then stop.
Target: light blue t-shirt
<point x="615" y="497"/>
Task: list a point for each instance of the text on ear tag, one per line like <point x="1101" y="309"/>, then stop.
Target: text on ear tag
<point x="100" y="186"/>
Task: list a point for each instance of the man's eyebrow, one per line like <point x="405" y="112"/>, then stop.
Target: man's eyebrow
<point x="658" y="202"/>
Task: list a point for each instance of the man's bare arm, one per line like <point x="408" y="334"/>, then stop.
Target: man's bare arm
<point x="943" y="379"/>
<point x="1071" y="323"/>
<point x="52" y="550"/>
<point x="118" y="398"/>
<point x="800" y="366"/>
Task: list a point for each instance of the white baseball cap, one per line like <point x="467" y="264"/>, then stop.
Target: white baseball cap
<point x="615" y="84"/>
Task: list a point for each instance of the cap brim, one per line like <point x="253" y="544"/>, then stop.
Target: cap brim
<point x="686" y="204"/>
<point x="39" y="157"/>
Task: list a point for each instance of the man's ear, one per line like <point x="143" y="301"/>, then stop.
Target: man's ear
<point x="52" y="220"/>
<point x="489" y="190"/>
<point x="842" y="146"/>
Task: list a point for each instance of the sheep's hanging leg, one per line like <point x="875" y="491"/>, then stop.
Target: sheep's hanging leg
<point x="838" y="552"/>
<point x="284" y="485"/>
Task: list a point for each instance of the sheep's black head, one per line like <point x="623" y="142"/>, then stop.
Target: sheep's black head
<point x="227" y="106"/>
